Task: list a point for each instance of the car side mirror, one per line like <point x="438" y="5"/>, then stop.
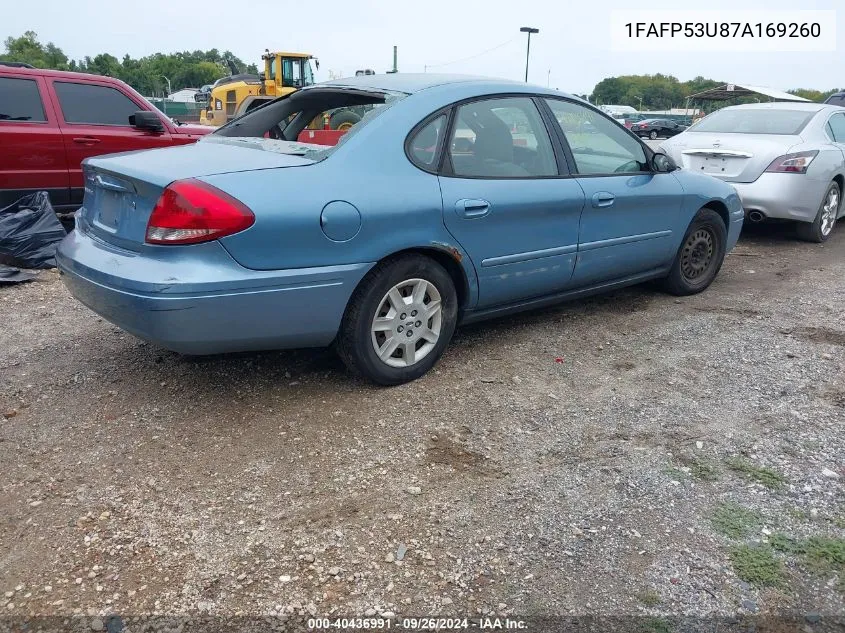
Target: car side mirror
<point x="662" y="163"/>
<point x="146" y="120"/>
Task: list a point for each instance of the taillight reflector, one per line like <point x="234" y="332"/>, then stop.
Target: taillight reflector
<point x="793" y="163"/>
<point x="192" y="211"/>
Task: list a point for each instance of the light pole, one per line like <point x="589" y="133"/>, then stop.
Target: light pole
<point x="641" y="101"/>
<point x="549" y="78"/>
<point x="169" y="92"/>
<point x="529" y="30"/>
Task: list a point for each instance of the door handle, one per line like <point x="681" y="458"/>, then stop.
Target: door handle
<point x="603" y="199"/>
<point x="86" y="140"/>
<point x="469" y="208"/>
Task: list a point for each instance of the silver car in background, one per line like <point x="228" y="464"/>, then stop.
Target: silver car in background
<point x="786" y="160"/>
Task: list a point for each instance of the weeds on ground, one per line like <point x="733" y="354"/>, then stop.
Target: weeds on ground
<point x="825" y="554"/>
<point x="703" y="470"/>
<point x="819" y="554"/>
<point x="734" y="521"/>
<point x="757" y="565"/>
<point x="766" y="476"/>
<point x="648" y="597"/>
<point x="652" y="625"/>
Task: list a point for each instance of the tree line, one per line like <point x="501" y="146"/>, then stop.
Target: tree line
<point x="194" y="69"/>
<point x="662" y="92"/>
<point x="148" y="75"/>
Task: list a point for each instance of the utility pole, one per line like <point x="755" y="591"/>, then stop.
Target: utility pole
<point x="529" y="30"/>
<point x="169" y="92"/>
<point x="395" y="67"/>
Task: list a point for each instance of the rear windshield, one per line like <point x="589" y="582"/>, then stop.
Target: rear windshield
<point x="754" y="121"/>
<point x="838" y="99"/>
<point x="284" y="119"/>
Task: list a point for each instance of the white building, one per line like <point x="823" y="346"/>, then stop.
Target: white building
<point x="185" y="95"/>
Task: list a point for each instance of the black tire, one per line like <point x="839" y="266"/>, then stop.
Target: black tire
<point x="652" y="135"/>
<point x="700" y="256"/>
<point x="354" y="341"/>
<point x="813" y="231"/>
<point x="344" y="119"/>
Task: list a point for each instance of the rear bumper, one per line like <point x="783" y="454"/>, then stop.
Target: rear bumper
<point x="783" y="196"/>
<point x="198" y="300"/>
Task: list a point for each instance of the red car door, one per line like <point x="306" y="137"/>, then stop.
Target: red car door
<point x="94" y="119"/>
<point x="32" y="153"/>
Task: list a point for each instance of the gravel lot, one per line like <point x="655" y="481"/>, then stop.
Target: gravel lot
<point x="632" y="454"/>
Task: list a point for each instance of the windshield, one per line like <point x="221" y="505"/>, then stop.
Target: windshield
<point x="754" y="121"/>
<point x="309" y="76"/>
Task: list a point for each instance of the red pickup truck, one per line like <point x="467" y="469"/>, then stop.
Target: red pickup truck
<point x="51" y="120"/>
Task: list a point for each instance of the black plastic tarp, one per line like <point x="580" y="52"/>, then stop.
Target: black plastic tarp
<point x="30" y="231"/>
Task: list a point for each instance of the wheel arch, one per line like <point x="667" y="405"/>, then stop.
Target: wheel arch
<point x="450" y="258"/>
<point x="721" y="208"/>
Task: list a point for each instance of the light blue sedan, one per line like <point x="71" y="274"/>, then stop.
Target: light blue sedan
<point x="454" y="199"/>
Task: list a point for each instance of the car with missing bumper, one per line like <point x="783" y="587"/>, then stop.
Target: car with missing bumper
<point x="786" y="160"/>
<point x="453" y="200"/>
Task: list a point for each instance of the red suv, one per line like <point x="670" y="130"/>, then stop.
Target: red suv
<point x="51" y="120"/>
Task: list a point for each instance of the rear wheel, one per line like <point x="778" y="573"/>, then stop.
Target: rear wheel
<point x="700" y="256"/>
<point x="820" y="229"/>
<point x="399" y="320"/>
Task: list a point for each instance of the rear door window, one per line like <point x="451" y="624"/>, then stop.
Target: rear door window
<point x="501" y="138"/>
<point x="20" y="101"/>
<point x="423" y="145"/>
<point x="93" y="104"/>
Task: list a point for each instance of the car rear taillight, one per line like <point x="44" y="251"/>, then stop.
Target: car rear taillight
<point x="191" y="211"/>
<point x="792" y="163"/>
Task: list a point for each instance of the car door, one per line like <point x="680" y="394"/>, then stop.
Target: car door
<point x="94" y="118"/>
<point x="506" y="201"/>
<point x="32" y="157"/>
<point x="631" y="217"/>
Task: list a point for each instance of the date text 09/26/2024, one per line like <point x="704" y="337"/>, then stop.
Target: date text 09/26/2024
<point x="418" y="624"/>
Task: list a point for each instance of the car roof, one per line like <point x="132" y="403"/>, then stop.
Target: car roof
<point x="415" y="82"/>
<point x="782" y="105"/>
<point x="65" y="74"/>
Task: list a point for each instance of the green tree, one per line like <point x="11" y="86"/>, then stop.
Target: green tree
<point x="29" y="50"/>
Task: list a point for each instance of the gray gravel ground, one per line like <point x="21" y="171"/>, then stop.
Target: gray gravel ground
<point x="628" y="454"/>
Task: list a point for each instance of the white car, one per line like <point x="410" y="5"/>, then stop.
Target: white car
<point x="786" y="160"/>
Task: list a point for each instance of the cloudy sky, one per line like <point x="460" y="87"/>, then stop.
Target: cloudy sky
<point x="572" y="51"/>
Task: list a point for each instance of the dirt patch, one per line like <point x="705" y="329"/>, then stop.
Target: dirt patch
<point x="582" y="452"/>
<point x="821" y="335"/>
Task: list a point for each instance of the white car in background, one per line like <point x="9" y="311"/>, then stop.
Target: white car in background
<point x="786" y="160"/>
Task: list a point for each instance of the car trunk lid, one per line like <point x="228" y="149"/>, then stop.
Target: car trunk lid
<point x="121" y="190"/>
<point x="733" y="157"/>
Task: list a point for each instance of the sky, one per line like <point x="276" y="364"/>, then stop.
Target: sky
<point x="572" y="51"/>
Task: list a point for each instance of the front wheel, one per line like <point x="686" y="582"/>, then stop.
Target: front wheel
<point x="652" y="135"/>
<point x="700" y="256"/>
<point x="399" y="321"/>
<point x="821" y="227"/>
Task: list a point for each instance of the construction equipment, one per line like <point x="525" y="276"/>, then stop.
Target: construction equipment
<point x="241" y="92"/>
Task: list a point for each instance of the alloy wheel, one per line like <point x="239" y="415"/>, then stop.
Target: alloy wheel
<point x="829" y="211"/>
<point x="407" y="323"/>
